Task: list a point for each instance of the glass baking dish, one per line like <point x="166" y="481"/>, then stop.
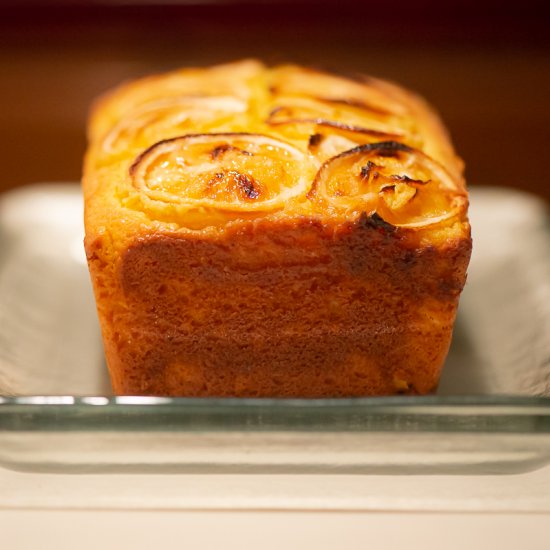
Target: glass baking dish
<point x="491" y="413"/>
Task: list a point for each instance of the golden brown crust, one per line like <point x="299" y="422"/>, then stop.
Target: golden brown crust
<point x="273" y="232"/>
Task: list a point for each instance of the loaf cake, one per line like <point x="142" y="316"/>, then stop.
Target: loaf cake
<point x="281" y="232"/>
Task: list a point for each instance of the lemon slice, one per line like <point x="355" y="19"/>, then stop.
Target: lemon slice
<point x="230" y="80"/>
<point x="293" y="80"/>
<point x="405" y="187"/>
<point x="164" y="118"/>
<point x="331" y="126"/>
<point x="235" y="172"/>
<point x="336" y="115"/>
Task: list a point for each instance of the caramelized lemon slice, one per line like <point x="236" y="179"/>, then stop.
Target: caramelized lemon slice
<point x="332" y="126"/>
<point x="234" y="80"/>
<point x="344" y="116"/>
<point x="402" y="185"/>
<point x="293" y="80"/>
<point x="163" y="119"/>
<point x="233" y="172"/>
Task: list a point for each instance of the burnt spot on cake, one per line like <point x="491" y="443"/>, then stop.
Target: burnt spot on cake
<point x="375" y="221"/>
<point x="248" y="186"/>
<point x="408" y="180"/>
<point x="234" y="183"/>
<point x="388" y="148"/>
<point x="378" y="148"/>
<point x="368" y="170"/>
<point x="315" y="140"/>
<point x="220" y="150"/>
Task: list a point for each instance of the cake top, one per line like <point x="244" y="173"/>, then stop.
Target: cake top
<point x="197" y="149"/>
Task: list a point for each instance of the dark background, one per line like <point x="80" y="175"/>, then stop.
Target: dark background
<point x="484" y="66"/>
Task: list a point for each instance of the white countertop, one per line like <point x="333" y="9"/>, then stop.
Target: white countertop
<point x="83" y="530"/>
<point x="263" y="512"/>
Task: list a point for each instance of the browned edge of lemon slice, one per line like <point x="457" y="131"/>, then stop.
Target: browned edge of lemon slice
<point x="440" y="182"/>
<point x="250" y="192"/>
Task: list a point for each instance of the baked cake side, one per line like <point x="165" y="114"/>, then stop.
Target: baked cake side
<point x="273" y="232"/>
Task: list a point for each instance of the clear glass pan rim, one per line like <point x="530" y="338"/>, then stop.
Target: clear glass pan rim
<point x="470" y="414"/>
<point x="411" y="403"/>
